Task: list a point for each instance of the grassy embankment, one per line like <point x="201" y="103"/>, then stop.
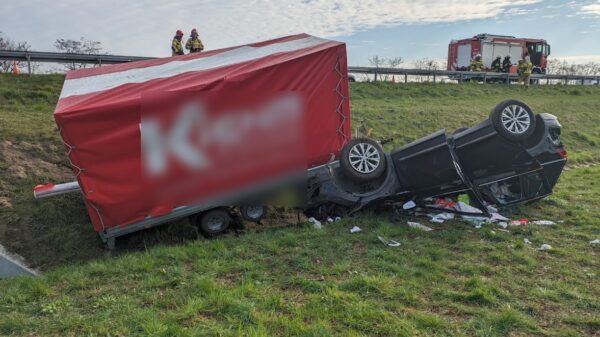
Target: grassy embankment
<point x="297" y="280"/>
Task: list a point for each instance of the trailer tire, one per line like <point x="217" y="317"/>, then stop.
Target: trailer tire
<point x="513" y="120"/>
<point x="253" y="213"/>
<point x="362" y="160"/>
<point x="214" y="222"/>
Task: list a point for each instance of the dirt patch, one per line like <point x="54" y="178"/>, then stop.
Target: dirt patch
<point x="57" y="231"/>
<point x="24" y="159"/>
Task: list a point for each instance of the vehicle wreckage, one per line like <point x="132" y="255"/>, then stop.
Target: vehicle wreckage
<point x="199" y="135"/>
<point x="513" y="157"/>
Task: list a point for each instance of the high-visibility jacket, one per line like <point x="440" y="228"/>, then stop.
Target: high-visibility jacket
<point x="525" y="68"/>
<point x="176" y="47"/>
<point x="476" y="65"/>
<point x="194" y="45"/>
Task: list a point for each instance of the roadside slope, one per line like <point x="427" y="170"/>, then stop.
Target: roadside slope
<point x="297" y="280"/>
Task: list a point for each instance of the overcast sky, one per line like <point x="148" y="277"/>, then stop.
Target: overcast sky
<point x="390" y="28"/>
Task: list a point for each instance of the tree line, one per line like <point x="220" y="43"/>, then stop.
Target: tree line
<point x="80" y="46"/>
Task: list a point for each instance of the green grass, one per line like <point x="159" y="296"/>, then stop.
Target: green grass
<point x="298" y="281"/>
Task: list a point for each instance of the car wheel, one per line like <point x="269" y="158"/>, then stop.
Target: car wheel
<point x="513" y="120"/>
<point x="253" y="213"/>
<point x="214" y="222"/>
<point x="362" y="160"/>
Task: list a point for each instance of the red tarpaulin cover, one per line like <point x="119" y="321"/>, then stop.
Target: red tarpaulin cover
<point x="103" y="112"/>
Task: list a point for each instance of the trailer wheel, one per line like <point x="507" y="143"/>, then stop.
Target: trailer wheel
<point x="362" y="160"/>
<point x="253" y="213"/>
<point x="214" y="222"/>
<point x="513" y="120"/>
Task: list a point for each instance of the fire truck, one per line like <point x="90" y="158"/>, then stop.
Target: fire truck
<point x="461" y="52"/>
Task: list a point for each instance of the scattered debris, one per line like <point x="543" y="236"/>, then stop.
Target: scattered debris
<point x="503" y="224"/>
<point x="316" y="223"/>
<point x="391" y="243"/>
<point x="409" y="205"/>
<point x="595" y="242"/>
<point x="329" y="219"/>
<point x="492" y="232"/>
<point x="526" y="240"/>
<point x="444" y="202"/>
<point x="523" y="221"/>
<point x="419" y="226"/>
<point x="355" y="229"/>
<point x="337" y="218"/>
<point x="545" y="246"/>
<point x="543" y="222"/>
<point x="440" y="217"/>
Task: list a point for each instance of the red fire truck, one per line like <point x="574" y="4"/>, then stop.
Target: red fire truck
<point x="461" y="52"/>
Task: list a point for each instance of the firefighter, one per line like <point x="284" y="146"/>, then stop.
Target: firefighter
<point x="524" y="72"/>
<point x="476" y="64"/>
<point x="176" y="46"/>
<point x="506" y="64"/>
<point x="497" y="64"/>
<point x="193" y="44"/>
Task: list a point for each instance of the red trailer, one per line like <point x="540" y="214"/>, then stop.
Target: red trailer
<point x="155" y="140"/>
<point x="461" y="52"/>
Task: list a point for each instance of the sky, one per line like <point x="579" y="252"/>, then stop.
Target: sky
<point x="389" y="28"/>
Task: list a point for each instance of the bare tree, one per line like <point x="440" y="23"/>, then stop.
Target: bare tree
<point x="562" y="67"/>
<point x="427" y="64"/>
<point x="395" y="62"/>
<point x="7" y="44"/>
<point x="81" y="46"/>
<point x="377" y="62"/>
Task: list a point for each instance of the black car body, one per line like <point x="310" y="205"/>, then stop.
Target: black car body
<point x="489" y="162"/>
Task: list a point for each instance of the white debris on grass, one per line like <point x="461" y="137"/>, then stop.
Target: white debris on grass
<point x="526" y="240"/>
<point x="316" y="223"/>
<point x="503" y="224"/>
<point x="337" y="218"/>
<point x="391" y="243"/>
<point x="329" y="219"/>
<point x="545" y="246"/>
<point x="355" y="229"/>
<point x="543" y="222"/>
<point x="595" y="242"/>
<point x="409" y="205"/>
<point x="419" y="226"/>
<point x="440" y="217"/>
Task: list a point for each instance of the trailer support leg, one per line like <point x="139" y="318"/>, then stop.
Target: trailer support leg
<point x="111" y="243"/>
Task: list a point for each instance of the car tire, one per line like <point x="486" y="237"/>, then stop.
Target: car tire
<point x="253" y="213"/>
<point x="214" y="222"/>
<point x="513" y="120"/>
<point x="362" y="160"/>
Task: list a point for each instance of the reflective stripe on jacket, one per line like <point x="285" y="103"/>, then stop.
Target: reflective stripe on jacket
<point x="194" y="45"/>
<point x="176" y="47"/>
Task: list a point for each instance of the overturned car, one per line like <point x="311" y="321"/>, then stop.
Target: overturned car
<point x="512" y="157"/>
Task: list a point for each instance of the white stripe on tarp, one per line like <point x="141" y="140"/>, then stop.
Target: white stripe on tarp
<point x="91" y="84"/>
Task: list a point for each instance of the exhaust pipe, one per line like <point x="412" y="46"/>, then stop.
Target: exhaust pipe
<point x="50" y="190"/>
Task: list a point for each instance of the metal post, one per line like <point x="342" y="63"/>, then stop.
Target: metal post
<point x="29" y="65"/>
<point x="405" y="78"/>
<point x="484" y="78"/>
<point x="434" y="77"/>
<point x="460" y="78"/>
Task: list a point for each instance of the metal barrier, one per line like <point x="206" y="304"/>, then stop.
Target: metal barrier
<point x="461" y="76"/>
<point x="34" y="56"/>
